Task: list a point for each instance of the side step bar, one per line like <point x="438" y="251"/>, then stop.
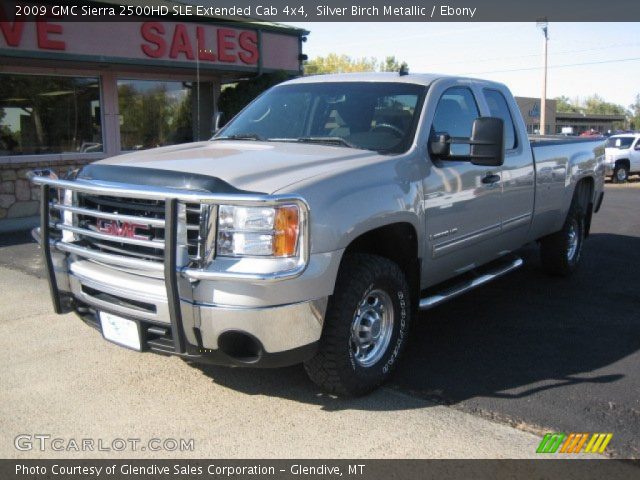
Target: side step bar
<point x="451" y="292"/>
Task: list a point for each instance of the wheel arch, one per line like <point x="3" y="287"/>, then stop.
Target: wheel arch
<point x="397" y="242"/>
<point x="583" y="194"/>
<point x="623" y="161"/>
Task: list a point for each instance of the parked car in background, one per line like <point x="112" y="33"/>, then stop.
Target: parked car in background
<point x="591" y="133"/>
<point x="622" y="156"/>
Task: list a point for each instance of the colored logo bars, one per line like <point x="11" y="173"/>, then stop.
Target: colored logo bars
<point x="574" y="443"/>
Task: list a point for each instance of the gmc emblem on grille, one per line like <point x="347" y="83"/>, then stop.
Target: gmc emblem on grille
<point x="122" y="229"/>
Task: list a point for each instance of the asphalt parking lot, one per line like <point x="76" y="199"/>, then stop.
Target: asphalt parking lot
<point x="527" y="351"/>
<point x="542" y="353"/>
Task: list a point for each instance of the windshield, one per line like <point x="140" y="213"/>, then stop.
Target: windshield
<point x="619" y="142"/>
<point x="373" y="116"/>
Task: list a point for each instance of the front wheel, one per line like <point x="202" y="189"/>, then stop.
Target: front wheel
<point x="366" y="327"/>
<point x="561" y="251"/>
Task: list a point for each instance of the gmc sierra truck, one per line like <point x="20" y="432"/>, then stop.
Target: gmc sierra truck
<point x="316" y="224"/>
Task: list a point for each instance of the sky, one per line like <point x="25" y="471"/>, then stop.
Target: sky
<point x="584" y="58"/>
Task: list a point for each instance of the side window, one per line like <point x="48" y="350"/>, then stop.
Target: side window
<point x="454" y="115"/>
<point x="499" y="108"/>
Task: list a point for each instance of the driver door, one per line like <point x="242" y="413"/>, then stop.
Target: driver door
<point x="462" y="200"/>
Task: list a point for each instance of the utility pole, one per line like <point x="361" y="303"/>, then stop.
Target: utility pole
<point x="543" y="25"/>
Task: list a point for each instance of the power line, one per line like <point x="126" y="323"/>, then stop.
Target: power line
<point x="556" y="66"/>
<point x="565" y="52"/>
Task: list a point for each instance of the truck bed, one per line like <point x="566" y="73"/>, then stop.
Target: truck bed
<point x="554" y="158"/>
<point x="547" y="140"/>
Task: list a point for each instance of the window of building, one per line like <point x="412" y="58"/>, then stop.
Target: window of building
<point x="49" y="114"/>
<point x="154" y="113"/>
<point x="455" y="114"/>
<point x="498" y="108"/>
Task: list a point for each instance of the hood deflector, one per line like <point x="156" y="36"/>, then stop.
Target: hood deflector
<point x="156" y="177"/>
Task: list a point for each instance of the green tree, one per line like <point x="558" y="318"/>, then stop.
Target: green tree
<point x="592" y="105"/>
<point x="335" y="63"/>
<point x="391" y="64"/>
<point x="595" y="104"/>
<point x="565" y="105"/>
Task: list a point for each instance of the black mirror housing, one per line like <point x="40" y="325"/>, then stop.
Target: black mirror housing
<point x="487" y="142"/>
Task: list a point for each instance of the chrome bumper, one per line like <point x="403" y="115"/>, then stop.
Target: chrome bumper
<point x="161" y="297"/>
<point x="287" y="333"/>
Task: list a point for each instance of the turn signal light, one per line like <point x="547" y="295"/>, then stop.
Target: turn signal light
<point x="287" y="229"/>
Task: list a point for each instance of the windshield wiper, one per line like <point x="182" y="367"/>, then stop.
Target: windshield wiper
<point x="242" y="136"/>
<point x="327" y="140"/>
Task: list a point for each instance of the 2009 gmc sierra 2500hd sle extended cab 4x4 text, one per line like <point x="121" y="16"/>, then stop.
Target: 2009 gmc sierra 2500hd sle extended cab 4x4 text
<point x="315" y="225"/>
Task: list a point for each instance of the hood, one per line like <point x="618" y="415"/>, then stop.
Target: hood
<point x="249" y="165"/>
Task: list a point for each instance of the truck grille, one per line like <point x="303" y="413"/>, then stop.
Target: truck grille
<point x="129" y="227"/>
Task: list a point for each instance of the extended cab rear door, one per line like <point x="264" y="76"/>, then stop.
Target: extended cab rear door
<point x="518" y="175"/>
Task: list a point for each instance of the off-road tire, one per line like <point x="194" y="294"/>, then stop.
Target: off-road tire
<point x="554" y="248"/>
<point x="334" y="368"/>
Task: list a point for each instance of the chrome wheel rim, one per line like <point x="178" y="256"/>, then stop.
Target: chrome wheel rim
<point x="573" y="241"/>
<point x="622" y="174"/>
<point x="371" y="328"/>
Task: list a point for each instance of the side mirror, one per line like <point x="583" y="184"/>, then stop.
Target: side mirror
<point x="487" y="143"/>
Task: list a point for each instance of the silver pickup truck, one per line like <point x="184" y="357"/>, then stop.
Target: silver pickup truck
<point x="315" y="225"/>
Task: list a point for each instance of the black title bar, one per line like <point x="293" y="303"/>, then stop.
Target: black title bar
<point x="330" y="10"/>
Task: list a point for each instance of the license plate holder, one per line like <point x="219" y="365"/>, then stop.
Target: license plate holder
<point x="121" y="331"/>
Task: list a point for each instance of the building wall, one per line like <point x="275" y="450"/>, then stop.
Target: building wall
<point x="530" y="110"/>
<point x="202" y="55"/>
<point x="584" y="123"/>
<point x="20" y="199"/>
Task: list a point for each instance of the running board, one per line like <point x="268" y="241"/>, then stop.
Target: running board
<point x="451" y="292"/>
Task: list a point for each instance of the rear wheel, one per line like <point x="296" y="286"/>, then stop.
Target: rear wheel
<point x="560" y="252"/>
<point x="620" y="173"/>
<point x="366" y="327"/>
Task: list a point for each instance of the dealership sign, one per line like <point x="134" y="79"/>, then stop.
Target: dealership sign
<point x="164" y="43"/>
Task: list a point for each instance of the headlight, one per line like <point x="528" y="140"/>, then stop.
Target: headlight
<point x="258" y="231"/>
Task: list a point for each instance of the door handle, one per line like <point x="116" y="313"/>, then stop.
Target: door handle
<point x="490" y="178"/>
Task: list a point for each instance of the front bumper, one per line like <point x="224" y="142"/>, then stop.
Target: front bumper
<point x="236" y="346"/>
<point x="267" y="336"/>
<point x="222" y="317"/>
